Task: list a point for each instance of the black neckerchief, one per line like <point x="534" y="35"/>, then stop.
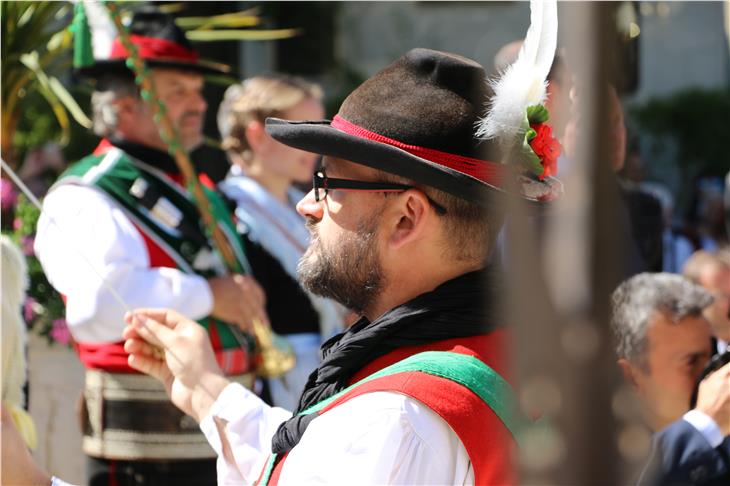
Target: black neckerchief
<point x="462" y="307"/>
<point x="150" y="156"/>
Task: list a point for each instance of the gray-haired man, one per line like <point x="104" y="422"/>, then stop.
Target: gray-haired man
<point x="663" y="344"/>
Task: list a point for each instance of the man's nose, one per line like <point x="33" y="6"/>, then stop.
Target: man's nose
<point x="309" y="207"/>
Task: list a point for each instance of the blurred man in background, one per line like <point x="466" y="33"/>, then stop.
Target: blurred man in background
<point x="712" y="273"/>
<point x="663" y="345"/>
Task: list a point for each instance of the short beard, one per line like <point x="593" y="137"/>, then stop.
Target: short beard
<point x="349" y="273"/>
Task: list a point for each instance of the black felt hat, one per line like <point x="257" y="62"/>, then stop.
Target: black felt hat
<point x="416" y="118"/>
<point x="160" y="42"/>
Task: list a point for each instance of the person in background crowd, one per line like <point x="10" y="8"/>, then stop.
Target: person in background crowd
<point x="640" y="214"/>
<point x="712" y="273"/>
<point x="14" y="367"/>
<point x="265" y="205"/>
<point x="663" y="345"/>
<point x="118" y="231"/>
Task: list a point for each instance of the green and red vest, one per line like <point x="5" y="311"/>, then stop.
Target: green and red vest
<point x="167" y="219"/>
<point x="458" y="379"/>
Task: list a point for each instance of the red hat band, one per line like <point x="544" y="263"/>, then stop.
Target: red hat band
<point x="484" y="170"/>
<point x="154" y="48"/>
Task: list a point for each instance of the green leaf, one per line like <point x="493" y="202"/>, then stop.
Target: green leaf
<point x="69" y="102"/>
<point x="244" y="18"/>
<point x="529" y="158"/>
<point x="537" y="114"/>
<point x="44" y="87"/>
<point x="249" y="35"/>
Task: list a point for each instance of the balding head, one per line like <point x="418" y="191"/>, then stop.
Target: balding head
<point x="713" y="273"/>
<point x="704" y="268"/>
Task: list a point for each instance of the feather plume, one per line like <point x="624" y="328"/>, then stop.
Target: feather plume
<point x="103" y="31"/>
<point x="523" y="84"/>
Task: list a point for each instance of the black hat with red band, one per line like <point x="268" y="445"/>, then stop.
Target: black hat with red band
<point x="417" y="119"/>
<point x="160" y="42"/>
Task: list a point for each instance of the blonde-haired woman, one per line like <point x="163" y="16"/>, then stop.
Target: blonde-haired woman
<point x="261" y="184"/>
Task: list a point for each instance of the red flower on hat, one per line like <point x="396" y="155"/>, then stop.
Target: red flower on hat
<point x="546" y="147"/>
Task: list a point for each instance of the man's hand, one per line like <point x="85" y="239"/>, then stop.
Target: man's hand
<point x="176" y="351"/>
<point x="713" y="398"/>
<point x="238" y="299"/>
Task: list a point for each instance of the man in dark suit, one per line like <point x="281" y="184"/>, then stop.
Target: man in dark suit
<point x="663" y="343"/>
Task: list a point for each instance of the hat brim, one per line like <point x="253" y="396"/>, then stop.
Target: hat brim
<point x="321" y="138"/>
<point x="119" y="66"/>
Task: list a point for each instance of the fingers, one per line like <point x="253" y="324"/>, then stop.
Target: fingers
<point x="167" y="317"/>
<point x="152" y="331"/>
<point x="251" y="302"/>
<point x="138" y="346"/>
<point x="150" y="366"/>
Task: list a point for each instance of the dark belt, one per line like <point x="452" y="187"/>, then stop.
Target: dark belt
<point x="129" y="417"/>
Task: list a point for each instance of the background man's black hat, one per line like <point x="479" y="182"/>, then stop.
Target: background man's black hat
<point x="160" y="42"/>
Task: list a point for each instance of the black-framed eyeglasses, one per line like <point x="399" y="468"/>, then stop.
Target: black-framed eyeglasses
<point x="323" y="184"/>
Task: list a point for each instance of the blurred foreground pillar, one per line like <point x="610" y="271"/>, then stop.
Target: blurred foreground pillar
<point x="560" y="285"/>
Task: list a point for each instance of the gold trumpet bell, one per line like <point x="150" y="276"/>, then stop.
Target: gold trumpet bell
<point x="276" y="355"/>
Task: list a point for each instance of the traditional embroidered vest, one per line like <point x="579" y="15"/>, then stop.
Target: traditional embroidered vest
<point x="168" y="221"/>
<point x="453" y="381"/>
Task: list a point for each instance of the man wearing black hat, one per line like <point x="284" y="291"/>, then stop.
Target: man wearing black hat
<point x="403" y="215"/>
<point x="119" y="231"/>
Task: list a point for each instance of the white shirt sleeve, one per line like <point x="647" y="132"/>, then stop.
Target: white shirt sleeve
<point x="251" y="424"/>
<point x="87" y="245"/>
<point x="705" y="425"/>
<point x="376" y="438"/>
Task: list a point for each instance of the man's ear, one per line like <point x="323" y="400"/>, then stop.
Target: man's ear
<point x="256" y="136"/>
<point x="410" y="218"/>
<point x="629" y="372"/>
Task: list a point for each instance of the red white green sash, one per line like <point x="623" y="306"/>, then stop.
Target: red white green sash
<point x="469" y="395"/>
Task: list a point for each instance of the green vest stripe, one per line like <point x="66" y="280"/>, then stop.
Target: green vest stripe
<point x="126" y="180"/>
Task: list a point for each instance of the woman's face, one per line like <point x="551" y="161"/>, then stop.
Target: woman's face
<point x="288" y="162"/>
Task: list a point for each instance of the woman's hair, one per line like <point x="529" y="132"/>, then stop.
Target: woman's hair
<point x="256" y="99"/>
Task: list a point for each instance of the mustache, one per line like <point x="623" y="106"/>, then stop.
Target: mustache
<point x="191" y="114"/>
<point x="312" y="227"/>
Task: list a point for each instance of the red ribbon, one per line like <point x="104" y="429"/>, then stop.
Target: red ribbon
<point x="484" y="170"/>
<point x="154" y="48"/>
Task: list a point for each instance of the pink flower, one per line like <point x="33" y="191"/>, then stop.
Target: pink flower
<point x="27" y="244"/>
<point x="60" y="332"/>
<point x="8" y="195"/>
<point x="29" y="309"/>
<point x="17" y="224"/>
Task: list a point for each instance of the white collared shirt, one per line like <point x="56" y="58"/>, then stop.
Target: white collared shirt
<point x="87" y="245"/>
<point x="375" y="438"/>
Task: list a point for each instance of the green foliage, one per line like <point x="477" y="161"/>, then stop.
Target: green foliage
<point x="44" y="308"/>
<point x="35" y="45"/>
<point x="697" y="121"/>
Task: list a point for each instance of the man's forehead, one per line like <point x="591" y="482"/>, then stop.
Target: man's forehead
<point x="334" y="165"/>
<point x="687" y="332"/>
<point x="178" y="75"/>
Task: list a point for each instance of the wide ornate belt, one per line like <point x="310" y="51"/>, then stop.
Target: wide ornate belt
<point x="130" y="417"/>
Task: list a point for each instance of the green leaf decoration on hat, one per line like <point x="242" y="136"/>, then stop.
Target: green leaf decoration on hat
<point x="537" y="114"/>
<point x="533" y="114"/>
<point x="83" y="51"/>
